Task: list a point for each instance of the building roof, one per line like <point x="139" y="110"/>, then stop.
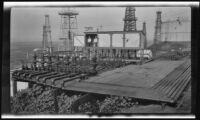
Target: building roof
<point x="112" y="32"/>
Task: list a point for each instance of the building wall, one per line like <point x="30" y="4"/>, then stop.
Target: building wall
<point x="117" y="40"/>
<point x="104" y="40"/>
<point x="132" y="40"/>
<point x="79" y="40"/>
<point x="176" y="30"/>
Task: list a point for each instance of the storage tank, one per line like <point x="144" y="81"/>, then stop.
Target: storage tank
<point x="176" y="30"/>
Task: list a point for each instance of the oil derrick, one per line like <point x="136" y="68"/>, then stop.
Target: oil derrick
<point x="157" y="37"/>
<point x="130" y="19"/>
<point x="144" y="31"/>
<point x="68" y="28"/>
<point x="47" y="42"/>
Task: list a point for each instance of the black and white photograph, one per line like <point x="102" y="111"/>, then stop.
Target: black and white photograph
<point x="100" y="58"/>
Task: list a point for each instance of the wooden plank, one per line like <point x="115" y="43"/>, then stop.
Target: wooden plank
<point x="36" y="73"/>
<point x="171" y="80"/>
<point x="172" y="75"/>
<point x="45" y="75"/>
<point x="174" y="82"/>
<point x="140" y="93"/>
<point x="177" y="83"/>
<point x="123" y="81"/>
<point x="64" y="77"/>
<point x="144" y="76"/>
<point x="45" y="79"/>
<point x="181" y="90"/>
<point x="180" y="86"/>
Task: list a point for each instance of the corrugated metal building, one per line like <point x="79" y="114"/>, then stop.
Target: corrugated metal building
<point x="115" y="39"/>
<point x="176" y="30"/>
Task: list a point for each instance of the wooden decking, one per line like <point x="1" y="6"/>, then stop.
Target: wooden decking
<point x="145" y="75"/>
<point x="157" y="80"/>
<point x="174" y="83"/>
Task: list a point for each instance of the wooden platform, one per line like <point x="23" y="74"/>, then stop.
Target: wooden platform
<point x="156" y="80"/>
<point x="145" y="75"/>
<point x="148" y="81"/>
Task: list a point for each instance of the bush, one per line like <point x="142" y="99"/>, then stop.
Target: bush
<point x="33" y="101"/>
<point x="114" y="104"/>
<point x="40" y="100"/>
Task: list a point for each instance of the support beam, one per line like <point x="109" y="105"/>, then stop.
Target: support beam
<point x="163" y="105"/>
<point x="14" y="86"/>
<point x="145" y="37"/>
<point x="97" y="41"/>
<point x="124" y="40"/>
<point x="30" y="85"/>
<point x="55" y="94"/>
<point x="111" y="42"/>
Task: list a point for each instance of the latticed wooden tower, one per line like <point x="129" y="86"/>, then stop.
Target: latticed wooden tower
<point x="157" y="37"/>
<point x="130" y="19"/>
<point x="68" y="27"/>
<point x="47" y="42"/>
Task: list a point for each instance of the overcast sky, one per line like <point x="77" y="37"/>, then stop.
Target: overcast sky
<point x="27" y="22"/>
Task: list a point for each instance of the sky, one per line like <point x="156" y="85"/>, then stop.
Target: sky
<point x="27" y="22"/>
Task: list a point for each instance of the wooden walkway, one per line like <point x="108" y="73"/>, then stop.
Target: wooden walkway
<point x="174" y="83"/>
<point x="145" y="75"/>
<point x="168" y="89"/>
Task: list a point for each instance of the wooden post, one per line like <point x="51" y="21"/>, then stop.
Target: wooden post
<point x="141" y="50"/>
<point x="30" y="85"/>
<point x="97" y="41"/>
<point x="111" y="45"/>
<point x="14" y="86"/>
<point x="124" y="40"/>
<point x="111" y="41"/>
<point x="35" y="61"/>
<point x="55" y="93"/>
<point x="88" y="53"/>
<point x="163" y="105"/>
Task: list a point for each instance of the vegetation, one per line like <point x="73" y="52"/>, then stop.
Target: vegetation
<point x="40" y="100"/>
<point x="33" y="101"/>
